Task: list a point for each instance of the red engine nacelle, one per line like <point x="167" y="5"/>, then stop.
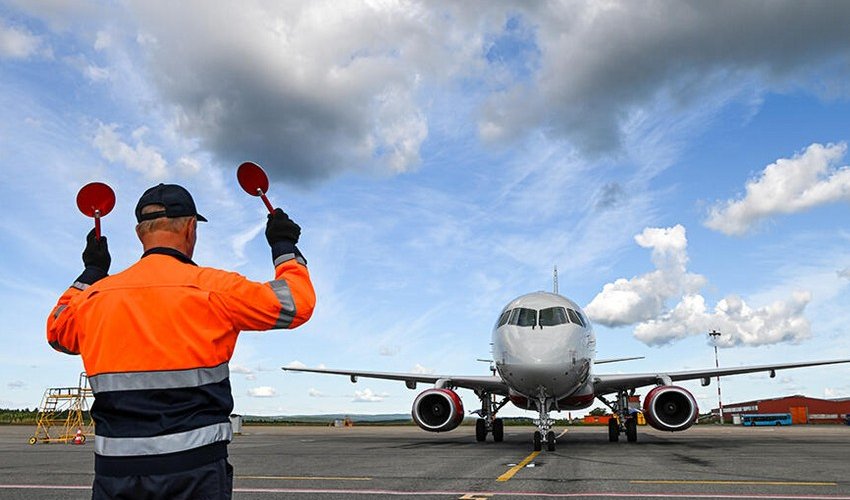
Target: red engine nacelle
<point x="670" y="408"/>
<point x="438" y="410"/>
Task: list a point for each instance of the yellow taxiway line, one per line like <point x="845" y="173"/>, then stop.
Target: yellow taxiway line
<point x="513" y="470"/>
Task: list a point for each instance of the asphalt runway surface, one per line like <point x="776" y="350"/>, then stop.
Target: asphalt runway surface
<point x="798" y="462"/>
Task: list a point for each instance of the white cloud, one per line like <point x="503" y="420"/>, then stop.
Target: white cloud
<point x="598" y="64"/>
<point x="739" y="324"/>
<point x="295" y="364"/>
<point x="262" y="392"/>
<point x="239" y="241"/>
<point x="188" y="166"/>
<point x="643" y="301"/>
<point x="367" y="396"/>
<point x="17" y="43"/>
<point x="242" y="370"/>
<point x="139" y="158"/>
<point x="258" y="96"/>
<point x="641" y="298"/>
<point x="315" y="393"/>
<point x="836" y="393"/>
<point x="389" y="350"/>
<point x="419" y="369"/>
<point x="789" y="185"/>
<point x="102" y="41"/>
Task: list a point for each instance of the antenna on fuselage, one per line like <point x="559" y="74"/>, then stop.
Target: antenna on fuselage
<point x="555" y="281"/>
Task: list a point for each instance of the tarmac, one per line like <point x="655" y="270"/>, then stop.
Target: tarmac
<point x="705" y="462"/>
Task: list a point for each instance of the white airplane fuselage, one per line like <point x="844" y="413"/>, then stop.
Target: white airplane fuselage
<point x="544" y="347"/>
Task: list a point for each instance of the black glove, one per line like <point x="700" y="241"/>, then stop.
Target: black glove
<point x="280" y="228"/>
<point x="96" y="253"/>
<point x="96" y="259"/>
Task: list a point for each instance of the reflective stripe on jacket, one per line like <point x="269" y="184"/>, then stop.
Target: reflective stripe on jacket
<point x="156" y="340"/>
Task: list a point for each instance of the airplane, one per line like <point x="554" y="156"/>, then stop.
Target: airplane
<point x="544" y="351"/>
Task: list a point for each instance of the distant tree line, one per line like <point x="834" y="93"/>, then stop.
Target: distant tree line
<point x="25" y="416"/>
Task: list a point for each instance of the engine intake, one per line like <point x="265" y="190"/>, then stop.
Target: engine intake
<point x="670" y="408"/>
<point x="437" y="410"/>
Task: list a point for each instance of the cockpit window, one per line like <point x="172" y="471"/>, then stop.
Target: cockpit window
<point x="574" y="317"/>
<point x="553" y="316"/>
<point x="503" y="319"/>
<point x="584" y="321"/>
<point x="523" y="317"/>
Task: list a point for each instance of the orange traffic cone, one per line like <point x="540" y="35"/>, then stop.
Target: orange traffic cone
<point x="79" y="438"/>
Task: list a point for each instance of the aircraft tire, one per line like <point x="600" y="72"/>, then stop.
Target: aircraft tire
<point x="480" y="430"/>
<point x="498" y="430"/>
<point x="537" y="444"/>
<point x="550" y="441"/>
<point x="613" y="430"/>
<point x="631" y="430"/>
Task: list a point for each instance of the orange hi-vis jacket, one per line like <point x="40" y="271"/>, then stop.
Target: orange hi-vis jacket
<point x="156" y="340"/>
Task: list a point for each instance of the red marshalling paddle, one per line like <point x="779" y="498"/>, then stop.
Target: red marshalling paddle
<point x="254" y="181"/>
<point x="96" y="199"/>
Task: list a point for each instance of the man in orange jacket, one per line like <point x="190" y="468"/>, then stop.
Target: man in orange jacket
<point x="156" y="340"/>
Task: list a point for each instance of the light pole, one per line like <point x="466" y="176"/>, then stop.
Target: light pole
<point x="714" y="334"/>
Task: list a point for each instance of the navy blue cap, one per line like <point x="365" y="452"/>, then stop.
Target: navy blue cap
<point x="176" y="200"/>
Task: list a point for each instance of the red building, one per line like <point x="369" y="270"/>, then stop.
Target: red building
<point x="803" y="409"/>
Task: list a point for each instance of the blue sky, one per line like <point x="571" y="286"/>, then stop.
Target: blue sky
<point x="683" y="164"/>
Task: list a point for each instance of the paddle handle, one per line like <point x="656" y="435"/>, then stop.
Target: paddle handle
<point x="97" y="224"/>
<point x="265" y="200"/>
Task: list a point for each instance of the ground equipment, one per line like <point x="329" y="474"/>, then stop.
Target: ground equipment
<point x="62" y="414"/>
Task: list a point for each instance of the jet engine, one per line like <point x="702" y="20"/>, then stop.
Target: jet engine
<point x="438" y="410"/>
<point x="670" y="408"/>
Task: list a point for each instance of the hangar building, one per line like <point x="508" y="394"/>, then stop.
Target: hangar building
<point x="803" y="409"/>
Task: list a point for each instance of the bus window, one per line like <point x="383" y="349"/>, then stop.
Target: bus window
<point x="523" y="317"/>
<point x="552" y="316"/>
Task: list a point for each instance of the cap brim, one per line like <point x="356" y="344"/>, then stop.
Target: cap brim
<point x="201" y="218"/>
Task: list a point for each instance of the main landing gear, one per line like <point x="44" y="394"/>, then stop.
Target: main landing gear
<point x="488" y="423"/>
<point x="624" y="422"/>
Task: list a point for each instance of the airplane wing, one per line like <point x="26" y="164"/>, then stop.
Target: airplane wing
<point x="604" y="384"/>
<point x="492" y="384"/>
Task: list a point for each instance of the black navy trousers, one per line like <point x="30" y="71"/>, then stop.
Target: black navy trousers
<point x="213" y="481"/>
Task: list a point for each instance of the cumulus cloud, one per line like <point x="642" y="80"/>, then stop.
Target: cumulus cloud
<point x="389" y="350"/>
<point x="421" y="370"/>
<point x="781" y="321"/>
<point x="836" y="393"/>
<point x="295" y="364"/>
<point x="643" y="301"/>
<point x="789" y="185"/>
<point x="139" y="157"/>
<point x="625" y="302"/>
<point x="602" y="63"/>
<point x="242" y="370"/>
<point x="17" y="43"/>
<point x="367" y="396"/>
<point x="314" y="90"/>
<point x="315" y="393"/>
<point x="262" y="392"/>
